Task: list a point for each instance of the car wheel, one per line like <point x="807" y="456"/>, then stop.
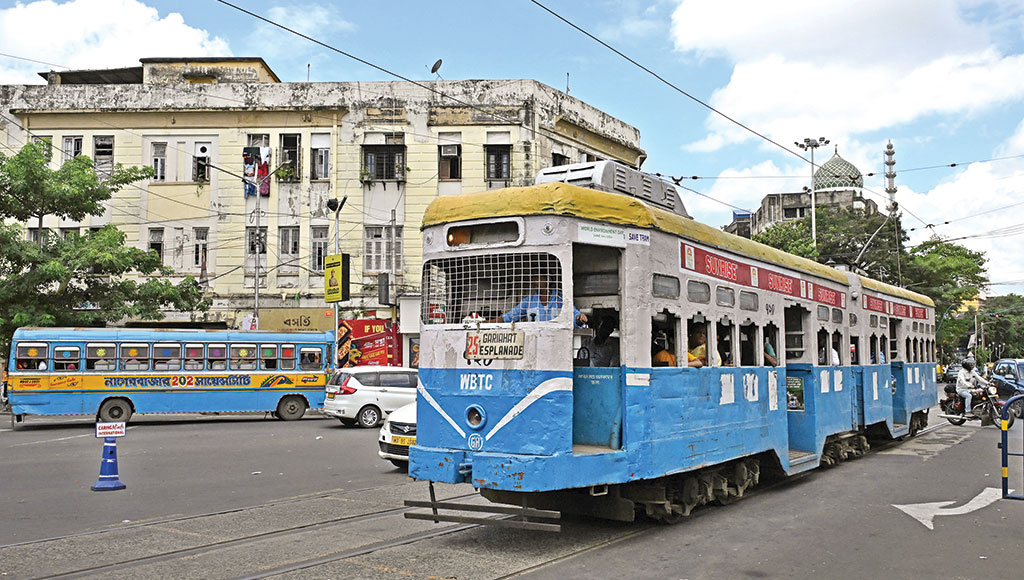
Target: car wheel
<point x="115" y="411"/>
<point x="403" y="465"/>
<point x="1017" y="408"/>
<point x="291" y="408"/>
<point x="369" y="417"/>
<point x="347" y="422"/>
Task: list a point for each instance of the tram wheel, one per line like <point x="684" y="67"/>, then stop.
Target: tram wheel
<point x="291" y="408"/>
<point x="115" y="411"/>
<point x="369" y="417"/>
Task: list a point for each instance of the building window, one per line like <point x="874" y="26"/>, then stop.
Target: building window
<point x="289" y="248"/>
<point x="321" y="149"/>
<point x="291" y="156"/>
<point x="32" y="234"/>
<point x="201" y="163"/>
<point x="559" y="159"/>
<point x="449" y="167"/>
<point x="72" y="148"/>
<point x="383" y="249"/>
<point x="103" y="156"/>
<point x="259" y="140"/>
<point x="383" y="162"/>
<point x="256" y="242"/>
<point x="68" y="232"/>
<point x="156" y="242"/>
<point x="499" y="161"/>
<point x="319" y="236"/>
<point x="202" y="238"/>
<point x="159" y="161"/>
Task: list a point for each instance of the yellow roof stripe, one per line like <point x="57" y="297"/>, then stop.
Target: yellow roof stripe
<point x="895" y="291"/>
<point x="571" y="200"/>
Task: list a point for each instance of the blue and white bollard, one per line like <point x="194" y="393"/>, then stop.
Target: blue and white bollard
<point x="108" y="480"/>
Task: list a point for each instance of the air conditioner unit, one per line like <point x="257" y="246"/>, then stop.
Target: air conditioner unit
<point x="449" y="150"/>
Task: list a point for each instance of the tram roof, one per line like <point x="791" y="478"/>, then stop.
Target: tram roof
<point x="559" y="198"/>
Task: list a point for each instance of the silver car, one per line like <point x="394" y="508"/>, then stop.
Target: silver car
<point x="365" y="395"/>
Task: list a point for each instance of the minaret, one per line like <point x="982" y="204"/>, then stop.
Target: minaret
<point x="890" y="175"/>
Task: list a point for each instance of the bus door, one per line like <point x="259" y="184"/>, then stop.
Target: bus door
<point x="597" y="370"/>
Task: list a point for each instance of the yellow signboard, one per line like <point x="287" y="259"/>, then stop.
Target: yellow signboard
<point x="336" y="278"/>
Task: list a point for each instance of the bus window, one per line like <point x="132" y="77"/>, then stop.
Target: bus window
<point x="748" y="338"/>
<point x="166" y="357"/>
<point x="134" y="357"/>
<point x="287" y="361"/>
<point x="217" y="357"/>
<point x="310" y="359"/>
<point x="31" y="356"/>
<point x="100" y="356"/>
<point x="243" y="357"/>
<point x="66" y="358"/>
<point x="771" y="345"/>
<point x="194" y="356"/>
<point x="725" y="341"/>
<point x="268" y="357"/>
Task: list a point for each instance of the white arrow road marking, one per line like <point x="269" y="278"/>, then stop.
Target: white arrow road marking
<point x="926" y="512"/>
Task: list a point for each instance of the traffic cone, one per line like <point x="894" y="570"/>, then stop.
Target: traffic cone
<point x="108" y="480"/>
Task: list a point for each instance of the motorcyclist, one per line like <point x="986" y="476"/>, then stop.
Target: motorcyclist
<point x="965" y="381"/>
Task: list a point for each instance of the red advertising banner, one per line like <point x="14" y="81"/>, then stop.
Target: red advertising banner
<point x="702" y="261"/>
<point x="876" y="304"/>
<point x="368" y="343"/>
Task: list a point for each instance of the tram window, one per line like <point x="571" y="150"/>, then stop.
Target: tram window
<point x="268" y="357"/>
<point x="873" y="321"/>
<point x="194" y="357"/>
<point x="894" y="332"/>
<point x="100" y="357"/>
<point x="795" y="320"/>
<point x="310" y="359"/>
<point x="697" y="291"/>
<point x="771" y="343"/>
<point x="854" y="350"/>
<point x="882" y="345"/>
<point x="483" y="234"/>
<point x="823" y="347"/>
<point x="217" y="357"/>
<point x="837" y="316"/>
<point x="873" y="349"/>
<point x="31" y="356"/>
<point x="837" y="348"/>
<point x="915" y="327"/>
<point x="823" y="313"/>
<point x="748" y="301"/>
<point x="882" y="323"/>
<point x="134" y="357"/>
<point x="697" y="335"/>
<point x="853" y="319"/>
<point x="287" y="360"/>
<point x="909" y="350"/>
<point x="243" y="357"/>
<point x="166" y="357"/>
<point x="665" y="286"/>
<point x="748" y="340"/>
<point x="66" y="358"/>
<point x="725" y="331"/>
<point x="664" y="328"/>
<point x="725" y="296"/>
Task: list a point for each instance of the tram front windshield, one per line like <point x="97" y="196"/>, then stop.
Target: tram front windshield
<point x="496" y="287"/>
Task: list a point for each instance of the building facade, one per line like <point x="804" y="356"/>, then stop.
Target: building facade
<point x="244" y="167"/>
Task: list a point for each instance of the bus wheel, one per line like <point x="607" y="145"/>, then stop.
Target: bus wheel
<point x="369" y="417"/>
<point x="115" y="411"/>
<point x="291" y="408"/>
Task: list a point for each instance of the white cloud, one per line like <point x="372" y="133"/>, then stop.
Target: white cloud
<point x="91" y="34"/>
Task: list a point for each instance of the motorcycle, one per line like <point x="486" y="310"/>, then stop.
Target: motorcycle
<point x="986" y="406"/>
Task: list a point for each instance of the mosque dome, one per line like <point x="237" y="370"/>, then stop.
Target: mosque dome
<point x="838" y="173"/>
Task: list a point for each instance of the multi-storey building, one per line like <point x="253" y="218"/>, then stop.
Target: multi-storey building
<point x="204" y="124"/>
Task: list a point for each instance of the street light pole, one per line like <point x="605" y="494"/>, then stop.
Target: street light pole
<point x="810" y="145"/>
<point x="335" y="206"/>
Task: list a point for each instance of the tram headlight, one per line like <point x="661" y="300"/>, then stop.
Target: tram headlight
<point x="459" y="236"/>
<point x="475" y="416"/>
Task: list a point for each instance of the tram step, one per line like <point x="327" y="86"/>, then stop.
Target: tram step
<point x="580" y="449"/>
<point x="796" y="456"/>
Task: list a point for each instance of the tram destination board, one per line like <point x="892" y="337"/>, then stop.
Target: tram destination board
<point x="495" y="344"/>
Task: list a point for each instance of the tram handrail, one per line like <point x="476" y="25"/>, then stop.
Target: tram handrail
<point x="1005" y="448"/>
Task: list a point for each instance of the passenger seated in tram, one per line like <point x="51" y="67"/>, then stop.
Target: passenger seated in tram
<point x="769" y="353"/>
<point x="542" y="304"/>
<point x="699" y="350"/>
<point x="663" y="357"/>
<point x="604" y="350"/>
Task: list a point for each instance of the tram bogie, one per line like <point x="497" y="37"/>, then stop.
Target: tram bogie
<point x="705" y="360"/>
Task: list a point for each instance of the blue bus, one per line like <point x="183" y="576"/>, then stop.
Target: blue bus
<point x="113" y="373"/>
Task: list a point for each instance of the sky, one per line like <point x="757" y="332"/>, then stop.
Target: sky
<point x="943" y="80"/>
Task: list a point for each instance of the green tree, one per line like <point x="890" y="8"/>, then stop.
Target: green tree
<point x="81" y="280"/>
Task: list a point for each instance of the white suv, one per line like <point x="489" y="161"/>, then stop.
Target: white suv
<point x="365" y="395"/>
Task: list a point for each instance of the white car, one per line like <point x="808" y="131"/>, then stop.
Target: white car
<point x="397" y="434"/>
<point x="365" y="395"/>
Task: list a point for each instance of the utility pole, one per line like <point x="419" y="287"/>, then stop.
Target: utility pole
<point x="810" y="145"/>
<point x="261" y="242"/>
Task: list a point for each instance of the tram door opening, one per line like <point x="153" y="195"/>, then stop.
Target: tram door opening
<point x="597" y="371"/>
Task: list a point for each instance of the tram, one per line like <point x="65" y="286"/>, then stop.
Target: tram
<point x="705" y="357"/>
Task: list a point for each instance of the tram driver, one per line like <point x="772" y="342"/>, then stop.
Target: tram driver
<point x="543" y="303"/>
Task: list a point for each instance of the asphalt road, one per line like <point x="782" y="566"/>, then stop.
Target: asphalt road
<point x="310" y="499"/>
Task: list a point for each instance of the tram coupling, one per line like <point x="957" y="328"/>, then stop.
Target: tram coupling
<point x="519" y="517"/>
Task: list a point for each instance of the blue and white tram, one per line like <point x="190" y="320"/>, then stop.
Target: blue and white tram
<point x="781" y="362"/>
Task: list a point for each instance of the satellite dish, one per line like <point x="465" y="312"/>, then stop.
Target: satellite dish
<point x="436" y="67"/>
